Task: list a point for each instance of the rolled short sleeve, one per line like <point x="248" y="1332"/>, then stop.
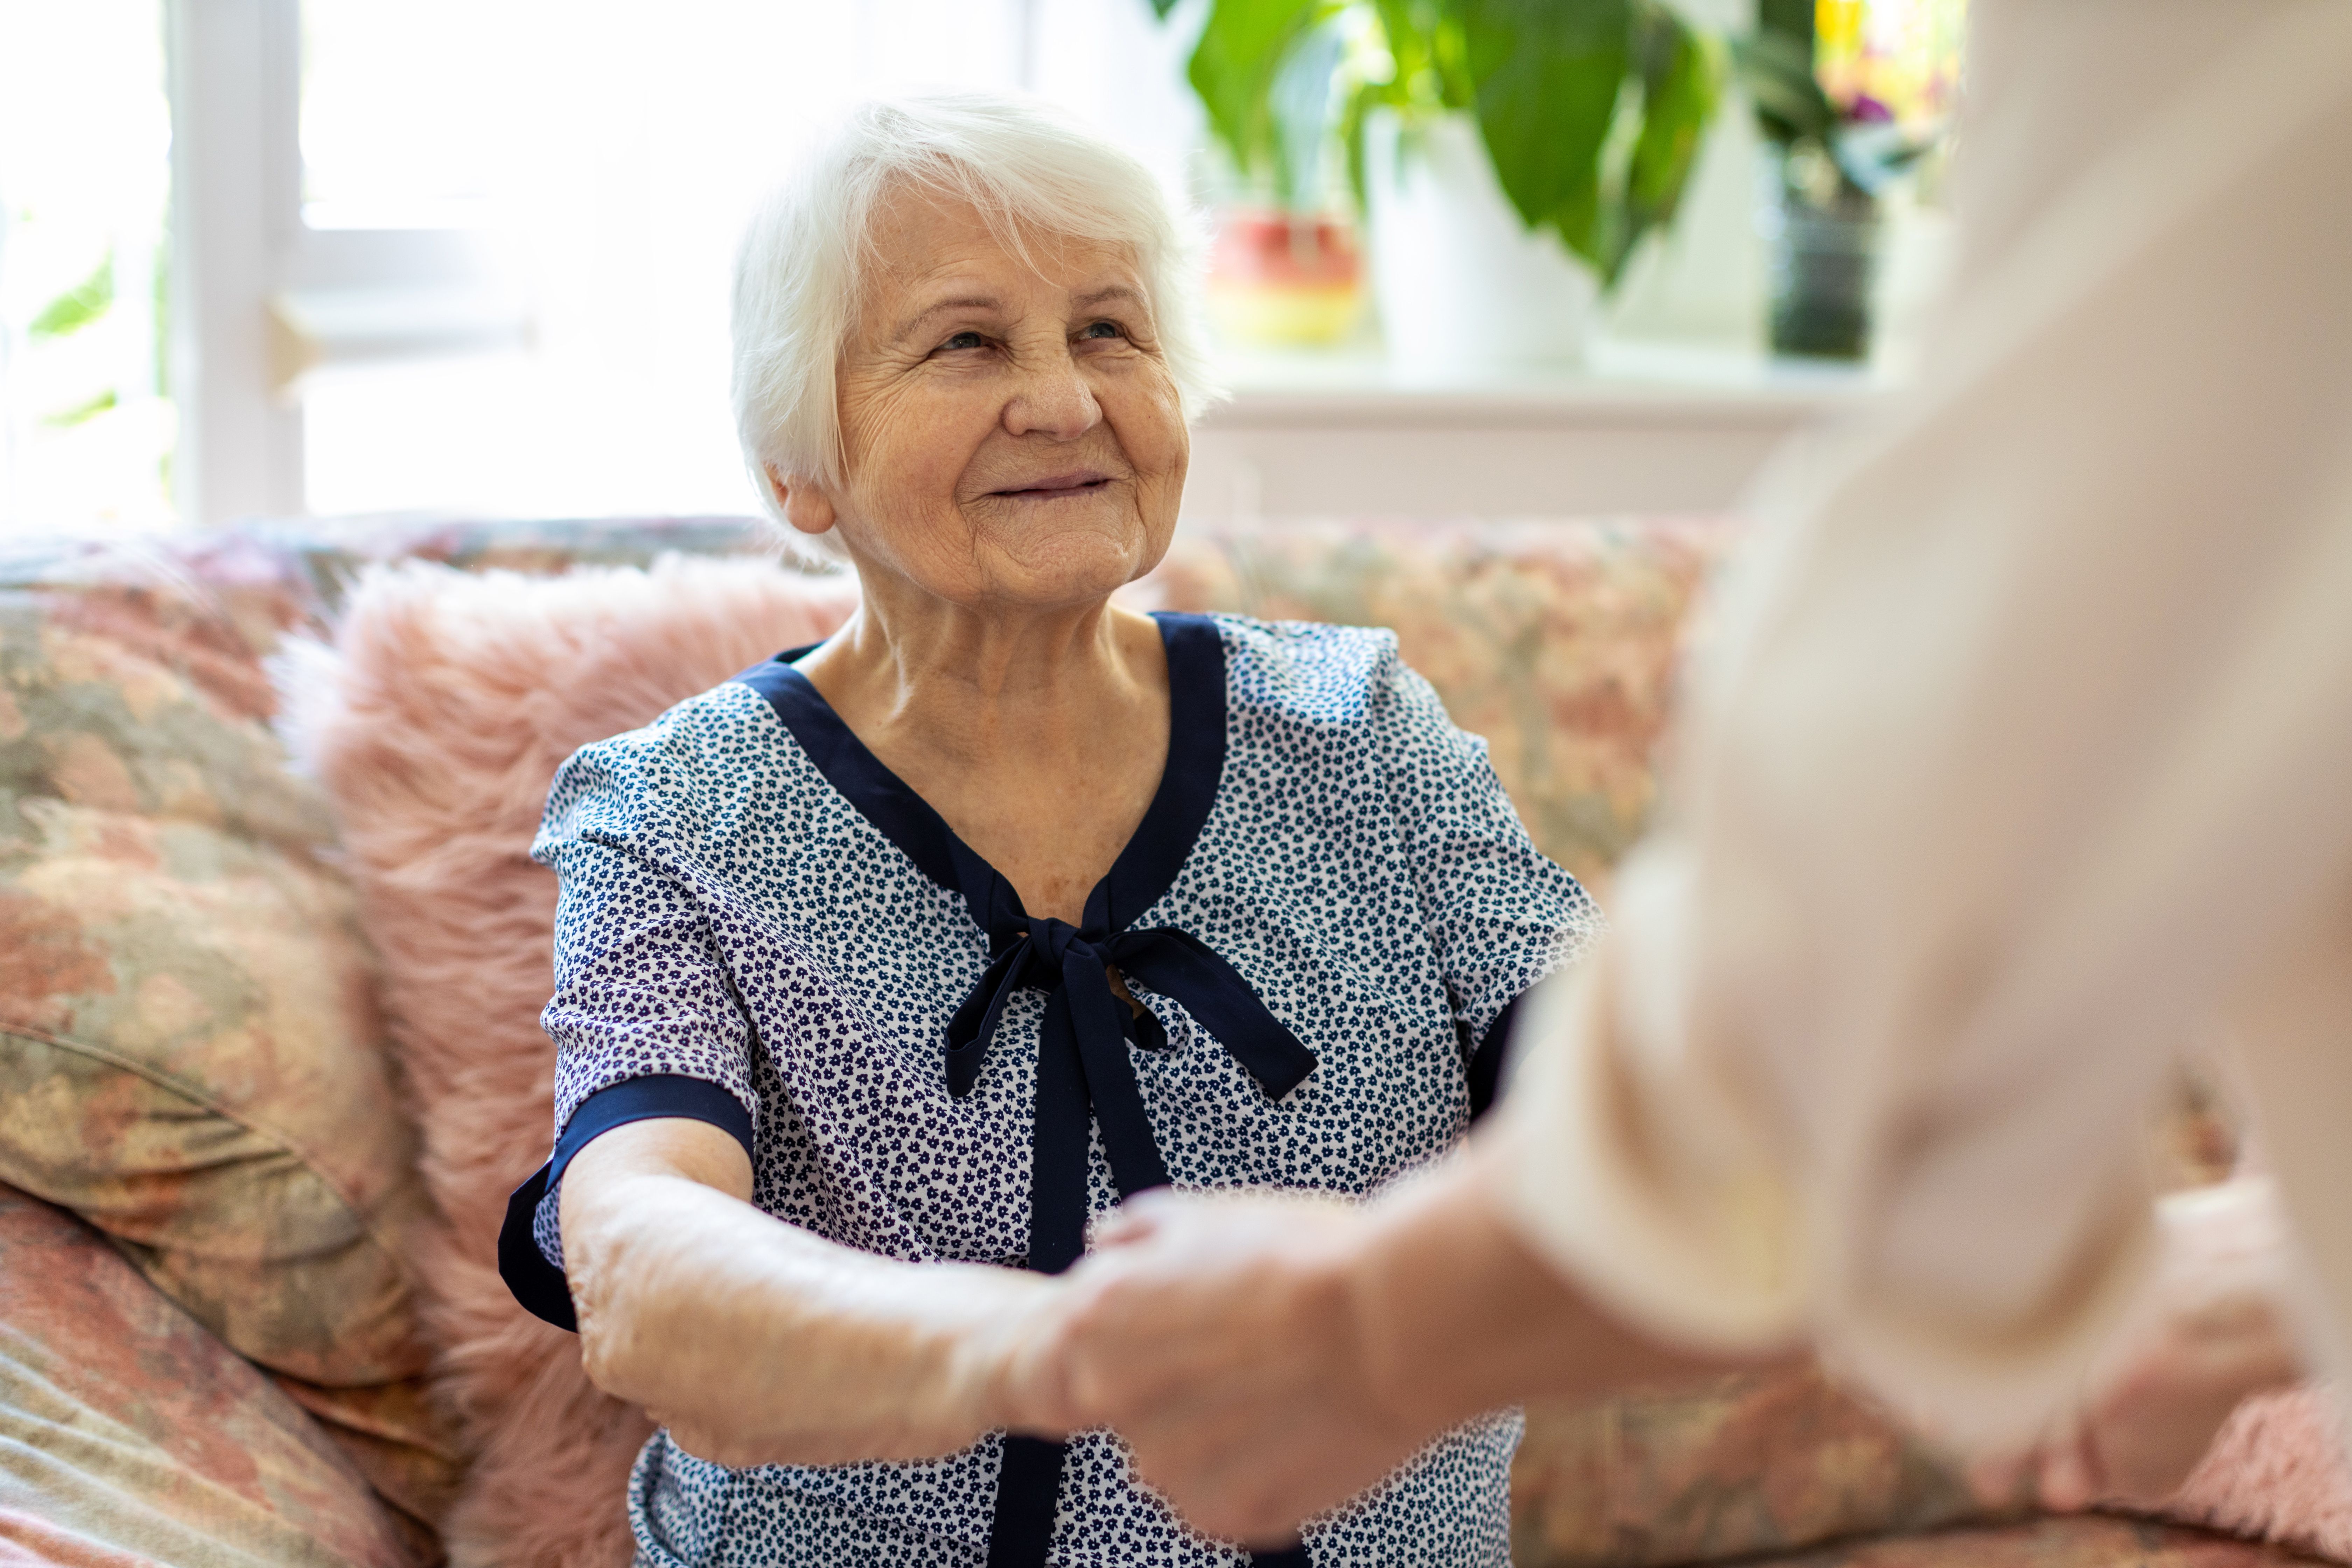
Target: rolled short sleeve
<point x="640" y="987"/>
<point x="1500" y="913"/>
<point x="645" y="1020"/>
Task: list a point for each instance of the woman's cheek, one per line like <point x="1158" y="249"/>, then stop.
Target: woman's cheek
<point x="1150" y="422"/>
<point x="918" y="448"/>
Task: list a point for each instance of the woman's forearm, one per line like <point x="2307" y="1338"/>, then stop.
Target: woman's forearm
<point x="758" y="1343"/>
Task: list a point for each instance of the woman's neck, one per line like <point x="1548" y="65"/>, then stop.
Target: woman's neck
<point x="1039" y="736"/>
<point x="970" y="681"/>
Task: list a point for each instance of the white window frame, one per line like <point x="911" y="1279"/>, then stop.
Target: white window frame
<point x="257" y="296"/>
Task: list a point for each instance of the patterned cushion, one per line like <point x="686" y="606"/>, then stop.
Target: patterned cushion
<point x="1556" y="641"/>
<point x="130" y="1437"/>
<point x="1762" y="1462"/>
<point x="189" y="1055"/>
<point x="189" y="1050"/>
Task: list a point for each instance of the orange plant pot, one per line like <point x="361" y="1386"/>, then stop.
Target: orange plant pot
<point x="1282" y="279"/>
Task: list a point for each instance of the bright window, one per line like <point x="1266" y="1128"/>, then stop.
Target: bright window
<point x="86" y="437"/>
<point x="607" y="150"/>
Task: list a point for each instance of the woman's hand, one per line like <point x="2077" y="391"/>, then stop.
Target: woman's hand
<point x="1217" y="1335"/>
<point x="757" y="1342"/>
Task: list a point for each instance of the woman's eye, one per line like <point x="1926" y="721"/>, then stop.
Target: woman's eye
<point x="1102" y="329"/>
<point x="965" y="340"/>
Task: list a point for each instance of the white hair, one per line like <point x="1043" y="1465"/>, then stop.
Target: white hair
<point x="1032" y="173"/>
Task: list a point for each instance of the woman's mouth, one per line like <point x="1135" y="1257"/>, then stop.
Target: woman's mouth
<point x="1054" y="487"/>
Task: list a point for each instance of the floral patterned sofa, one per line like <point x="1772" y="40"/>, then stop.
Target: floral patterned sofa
<point x="211" y="1210"/>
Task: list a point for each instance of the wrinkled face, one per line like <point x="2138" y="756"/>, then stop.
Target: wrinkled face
<point x="1012" y="435"/>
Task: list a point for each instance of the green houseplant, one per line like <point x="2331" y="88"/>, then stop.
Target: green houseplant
<point x="1589" y="111"/>
<point x="1837" y="155"/>
<point x="1511" y="156"/>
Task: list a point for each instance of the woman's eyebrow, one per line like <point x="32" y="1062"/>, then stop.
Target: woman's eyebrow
<point x="1108" y="292"/>
<point x="962" y="303"/>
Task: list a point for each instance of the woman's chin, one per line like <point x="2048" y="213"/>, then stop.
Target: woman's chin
<point x="1045" y="560"/>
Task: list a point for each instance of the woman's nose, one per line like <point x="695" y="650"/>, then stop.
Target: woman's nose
<point x="1053" y="399"/>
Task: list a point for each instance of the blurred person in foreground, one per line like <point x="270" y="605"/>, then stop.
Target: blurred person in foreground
<point x="2022" y="759"/>
<point x="892" y="961"/>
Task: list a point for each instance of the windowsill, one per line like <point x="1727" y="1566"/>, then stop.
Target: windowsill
<point x="1640" y="428"/>
<point x="1647" y="382"/>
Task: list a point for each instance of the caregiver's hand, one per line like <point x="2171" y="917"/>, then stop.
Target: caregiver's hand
<point x="1221" y="1337"/>
<point x="1266" y="1357"/>
<point x="758" y="1343"/>
<point x="2209" y="1331"/>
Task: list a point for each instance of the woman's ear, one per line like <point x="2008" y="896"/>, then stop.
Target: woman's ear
<point x="806" y="507"/>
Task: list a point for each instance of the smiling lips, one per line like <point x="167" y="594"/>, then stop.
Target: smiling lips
<point x="1055" y="487"/>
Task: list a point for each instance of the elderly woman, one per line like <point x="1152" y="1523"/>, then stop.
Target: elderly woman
<point x="884" y="968"/>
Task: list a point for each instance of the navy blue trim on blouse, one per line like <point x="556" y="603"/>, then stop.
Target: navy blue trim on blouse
<point x="1146" y="866"/>
<point x="1484" y="1068"/>
<point x="540" y="1285"/>
<point x="904" y="818"/>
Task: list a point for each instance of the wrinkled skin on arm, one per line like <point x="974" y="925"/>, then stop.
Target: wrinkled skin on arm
<point x="757" y="1342"/>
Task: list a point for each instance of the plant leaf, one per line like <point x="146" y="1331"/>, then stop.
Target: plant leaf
<point x="1160" y="9"/>
<point x="1547" y="74"/>
<point x="78" y="306"/>
<point x="1790" y="18"/>
<point x="80" y="413"/>
<point x="1234" y="65"/>
<point x="1298" y="100"/>
<point x="1682" y="79"/>
<point x="1777" y="70"/>
<point x="1873" y="157"/>
<point x="1424" y="39"/>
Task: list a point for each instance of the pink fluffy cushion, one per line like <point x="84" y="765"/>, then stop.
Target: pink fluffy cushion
<point x="436" y="721"/>
<point x="2276" y="1471"/>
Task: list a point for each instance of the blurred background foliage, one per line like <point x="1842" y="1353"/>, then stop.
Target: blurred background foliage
<point x="1591" y="111"/>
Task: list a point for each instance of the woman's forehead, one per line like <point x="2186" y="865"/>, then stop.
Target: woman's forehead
<point x="924" y="249"/>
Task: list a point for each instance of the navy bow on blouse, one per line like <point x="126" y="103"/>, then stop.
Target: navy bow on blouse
<point x="1082" y="1060"/>
<point x="1083" y="1068"/>
<point x="1085" y="1075"/>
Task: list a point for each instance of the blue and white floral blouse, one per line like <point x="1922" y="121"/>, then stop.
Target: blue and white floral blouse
<point x="1327" y="914"/>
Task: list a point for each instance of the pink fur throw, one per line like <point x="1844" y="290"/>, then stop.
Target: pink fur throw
<point x="2276" y="1471"/>
<point x="436" y="721"/>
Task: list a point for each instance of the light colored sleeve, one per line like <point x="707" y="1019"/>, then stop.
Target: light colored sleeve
<point x="2025" y="737"/>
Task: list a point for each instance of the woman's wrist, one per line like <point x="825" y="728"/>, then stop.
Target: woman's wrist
<point x="986" y="1326"/>
<point x="757" y="1342"/>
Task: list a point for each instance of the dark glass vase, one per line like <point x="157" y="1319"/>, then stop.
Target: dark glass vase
<point x="1821" y="260"/>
